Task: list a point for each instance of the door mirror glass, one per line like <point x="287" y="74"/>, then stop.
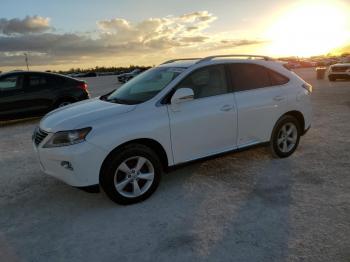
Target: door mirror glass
<point x="182" y="95"/>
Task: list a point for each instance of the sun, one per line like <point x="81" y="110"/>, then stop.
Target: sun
<point x="309" y="28"/>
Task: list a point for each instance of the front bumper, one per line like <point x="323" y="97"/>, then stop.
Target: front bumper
<point x="85" y="159"/>
<point x="343" y="75"/>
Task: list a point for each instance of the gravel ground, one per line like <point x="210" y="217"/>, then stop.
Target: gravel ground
<point x="244" y="206"/>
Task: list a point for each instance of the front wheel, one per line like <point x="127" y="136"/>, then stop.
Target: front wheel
<point x="132" y="175"/>
<point x="285" y="137"/>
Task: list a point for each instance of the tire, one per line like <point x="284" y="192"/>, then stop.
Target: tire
<point x="63" y="102"/>
<point x="124" y="182"/>
<point x="285" y="136"/>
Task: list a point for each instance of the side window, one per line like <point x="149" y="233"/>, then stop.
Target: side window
<point x="277" y="79"/>
<point x="207" y="81"/>
<point x="11" y="82"/>
<point x="249" y="76"/>
<point x="58" y="82"/>
<point x="37" y="82"/>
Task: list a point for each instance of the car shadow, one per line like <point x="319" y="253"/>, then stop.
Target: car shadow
<point x="235" y="207"/>
<point x="20" y="121"/>
<point x="240" y="214"/>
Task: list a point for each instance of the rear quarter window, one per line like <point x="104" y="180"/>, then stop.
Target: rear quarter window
<point x="277" y="79"/>
<point x="58" y="82"/>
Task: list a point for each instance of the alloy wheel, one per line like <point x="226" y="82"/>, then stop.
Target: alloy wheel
<point x="287" y="137"/>
<point x="134" y="176"/>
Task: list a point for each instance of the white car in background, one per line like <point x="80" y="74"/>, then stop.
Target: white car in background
<point x="339" y="71"/>
<point x="180" y="111"/>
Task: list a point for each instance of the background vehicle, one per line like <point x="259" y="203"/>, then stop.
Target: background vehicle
<point x="180" y="111"/>
<point x="24" y="93"/>
<point x="339" y="71"/>
<point x="89" y="74"/>
<point x="127" y="76"/>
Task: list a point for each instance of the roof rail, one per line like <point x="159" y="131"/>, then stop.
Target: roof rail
<point x="180" y="59"/>
<point x="208" y="58"/>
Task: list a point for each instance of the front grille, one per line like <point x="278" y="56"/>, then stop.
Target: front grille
<point x="39" y="135"/>
<point x="340" y="68"/>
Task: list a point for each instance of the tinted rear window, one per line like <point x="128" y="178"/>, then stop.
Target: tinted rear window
<point x="277" y="79"/>
<point x="37" y="81"/>
<point x="251" y="76"/>
<point x="61" y="81"/>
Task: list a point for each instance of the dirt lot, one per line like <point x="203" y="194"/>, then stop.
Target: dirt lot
<point x="241" y="207"/>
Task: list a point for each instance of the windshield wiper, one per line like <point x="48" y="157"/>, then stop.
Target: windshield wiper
<point x="123" y="101"/>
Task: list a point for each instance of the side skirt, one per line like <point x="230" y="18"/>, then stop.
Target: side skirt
<point x="202" y="159"/>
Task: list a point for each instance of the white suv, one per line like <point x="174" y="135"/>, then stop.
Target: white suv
<point x="339" y="71"/>
<point x="177" y="112"/>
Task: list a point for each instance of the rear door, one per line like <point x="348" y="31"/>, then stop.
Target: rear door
<point x="261" y="99"/>
<point x="12" y="96"/>
<point x="41" y="90"/>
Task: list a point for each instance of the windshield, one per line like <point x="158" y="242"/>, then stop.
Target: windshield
<point x="145" y="86"/>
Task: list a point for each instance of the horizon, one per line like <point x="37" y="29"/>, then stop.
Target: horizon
<point x="115" y="33"/>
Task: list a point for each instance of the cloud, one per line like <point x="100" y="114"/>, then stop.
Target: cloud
<point x="202" y="16"/>
<point x="238" y="43"/>
<point x="194" y="39"/>
<point x="30" y="24"/>
<point x="150" y="30"/>
<point x="115" y="38"/>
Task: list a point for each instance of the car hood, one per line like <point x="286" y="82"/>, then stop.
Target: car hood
<point x="82" y="114"/>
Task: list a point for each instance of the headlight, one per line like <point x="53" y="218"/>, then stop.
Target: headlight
<point x="66" y="138"/>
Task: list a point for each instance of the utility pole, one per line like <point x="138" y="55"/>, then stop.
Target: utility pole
<point x="26" y="59"/>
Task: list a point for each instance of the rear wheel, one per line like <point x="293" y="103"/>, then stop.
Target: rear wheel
<point x="132" y="175"/>
<point x="285" y="137"/>
<point x="63" y="102"/>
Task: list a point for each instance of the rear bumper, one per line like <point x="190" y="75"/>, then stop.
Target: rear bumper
<point x="84" y="95"/>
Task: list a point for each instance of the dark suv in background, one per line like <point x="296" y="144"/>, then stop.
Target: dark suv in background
<point x="24" y="93"/>
<point x="123" y="78"/>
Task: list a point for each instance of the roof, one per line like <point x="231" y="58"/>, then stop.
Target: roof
<point x="180" y="63"/>
<point x="36" y="72"/>
<point x="341" y="64"/>
<point x="187" y="62"/>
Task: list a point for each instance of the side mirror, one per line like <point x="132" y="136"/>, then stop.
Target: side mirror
<point x="182" y="95"/>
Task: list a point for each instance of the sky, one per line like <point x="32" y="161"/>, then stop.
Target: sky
<point x="61" y="34"/>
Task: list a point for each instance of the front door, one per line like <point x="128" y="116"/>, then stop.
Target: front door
<point x="12" y="97"/>
<point x="206" y="125"/>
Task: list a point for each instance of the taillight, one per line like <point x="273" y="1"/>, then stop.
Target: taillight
<point x="308" y="87"/>
<point x="83" y="86"/>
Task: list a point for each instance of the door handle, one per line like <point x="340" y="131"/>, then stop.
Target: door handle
<point x="278" y="98"/>
<point x="226" y="108"/>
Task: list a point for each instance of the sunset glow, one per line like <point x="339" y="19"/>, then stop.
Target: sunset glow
<point x="123" y="33"/>
<point x="309" y="28"/>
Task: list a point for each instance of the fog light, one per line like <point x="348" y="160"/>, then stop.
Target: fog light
<point x="67" y="165"/>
